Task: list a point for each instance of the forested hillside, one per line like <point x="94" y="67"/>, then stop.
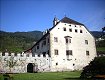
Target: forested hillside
<point x="97" y="34"/>
<point x="18" y="41"/>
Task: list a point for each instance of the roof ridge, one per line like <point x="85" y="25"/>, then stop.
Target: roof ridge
<point x="68" y="20"/>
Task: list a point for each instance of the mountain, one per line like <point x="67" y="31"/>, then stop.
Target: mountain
<point x="36" y="35"/>
<point x="100" y="44"/>
<point x="97" y="34"/>
<point x="18" y="41"/>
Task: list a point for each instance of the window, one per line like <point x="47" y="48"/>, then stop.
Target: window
<point x="38" y="55"/>
<point x="69" y="25"/>
<point x="76" y="30"/>
<point x="86" y="41"/>
<point x="33" y="55"/>
<point x="3" y="54"/>
<point x="15" y="54"/>
<point x="55" y="39"/>
<point x="37" y="46"/>
<point x="44" y="54"/>
<point x="70" y="30"/>
<point x="21" y="55"/>
<point x="56" y="63"/>
<point x="44" y="42"/>
<point x="27" y="55"/>
<point x="81" y="31"/>
<point x="48" y="53"/>
<point x="64" y="29"/>
<point x="87" y="53"/>
<point x="35" y="49"/>
<point x="68" y="52"/>
<point x="9" y="54"/>
<point x="56" y="52"/>
<point x="48" y="40"/>
<point x="68" y="40"/>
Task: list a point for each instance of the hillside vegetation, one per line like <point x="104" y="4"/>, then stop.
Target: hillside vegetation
<point x="18" y="41"/>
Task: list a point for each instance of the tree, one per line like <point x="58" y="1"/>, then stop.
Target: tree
<point x="95" y="67"/>
<point x="1" y="64"/>
<point x="103" y="29"/>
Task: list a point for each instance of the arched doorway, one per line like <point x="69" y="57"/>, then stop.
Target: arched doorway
<point x="30" y="68"/>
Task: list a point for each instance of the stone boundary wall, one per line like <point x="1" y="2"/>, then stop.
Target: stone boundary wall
<point x="40" y="63"/>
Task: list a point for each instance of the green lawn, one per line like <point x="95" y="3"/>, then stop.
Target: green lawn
<point x="46" y="76"/>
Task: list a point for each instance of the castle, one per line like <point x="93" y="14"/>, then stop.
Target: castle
<point x="67" y="46"/>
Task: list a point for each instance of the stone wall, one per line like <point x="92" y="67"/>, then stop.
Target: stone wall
<point x="21" y="61"/>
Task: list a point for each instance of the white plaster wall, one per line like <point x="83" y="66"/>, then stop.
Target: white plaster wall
<point x="41" y="49"/>
<point x="77" y="46"/>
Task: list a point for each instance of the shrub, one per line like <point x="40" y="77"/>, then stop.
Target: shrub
<point x="95" y="67"/>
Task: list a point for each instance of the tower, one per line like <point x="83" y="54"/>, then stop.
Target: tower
<point x="55" y="21"/>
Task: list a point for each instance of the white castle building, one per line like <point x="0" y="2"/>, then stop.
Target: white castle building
<point x="67" y="46"/>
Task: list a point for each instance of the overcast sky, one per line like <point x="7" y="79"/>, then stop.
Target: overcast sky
<point x="29" y="15"/>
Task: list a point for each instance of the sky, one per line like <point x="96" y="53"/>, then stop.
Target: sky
<point x="30" y="15"/>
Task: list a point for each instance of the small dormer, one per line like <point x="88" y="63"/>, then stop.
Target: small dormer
<point x="55" y="21"/>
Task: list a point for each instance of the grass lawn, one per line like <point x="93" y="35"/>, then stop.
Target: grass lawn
<point x="46" y="76"/>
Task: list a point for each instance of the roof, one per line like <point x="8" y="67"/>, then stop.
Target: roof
<point x="68" y="20"/>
